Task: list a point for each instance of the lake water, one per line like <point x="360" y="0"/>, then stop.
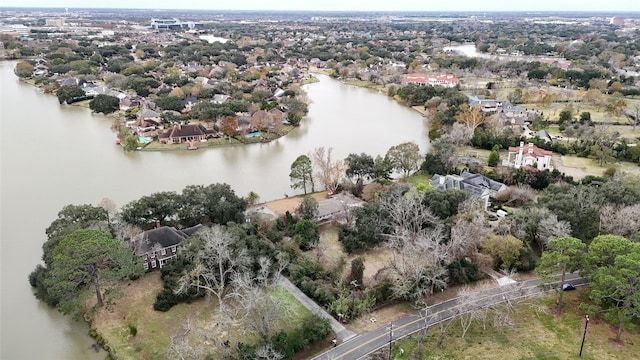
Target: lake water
<point x="54" y="155"/>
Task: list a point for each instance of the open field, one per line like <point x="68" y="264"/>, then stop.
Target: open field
<point x="155" y="329"/>
<point x="536" y="333"/>
<point x="598" y="114"/>
<point x="591" y="167"/>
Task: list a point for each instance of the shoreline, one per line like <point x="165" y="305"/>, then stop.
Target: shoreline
<point x="178" y="147"/>
<point x="371" y="86"/>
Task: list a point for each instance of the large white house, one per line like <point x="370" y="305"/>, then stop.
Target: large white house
<point x="446" y="80"/>
<point x="529" y="155"/>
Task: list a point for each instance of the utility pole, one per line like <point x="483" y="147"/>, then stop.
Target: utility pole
<point x="390" y="339"/>
<point x="584" y="334"/>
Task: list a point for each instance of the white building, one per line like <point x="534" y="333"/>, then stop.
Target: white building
<point x="529" y="155"/>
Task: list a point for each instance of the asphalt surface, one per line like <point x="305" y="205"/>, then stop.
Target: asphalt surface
<point x="364" y="344"/>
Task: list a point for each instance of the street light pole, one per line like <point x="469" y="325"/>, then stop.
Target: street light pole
<point x="584" y="334"/>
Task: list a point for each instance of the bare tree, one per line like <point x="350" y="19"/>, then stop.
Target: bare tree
<point x="184" y="346"/>
<point x="466" y="317"/>
<point x="124" y="231"/>
<point x="260" y="310"/>
<point x="551" y="228"/>
<point x="620" y="220"/>
<point x="329" y="172"/>
<point x="215" y="264"/>
<point x="445" y="149"/>
<point x="464" y="240"/>
<point x="423" y="332"/>
<point x="267" y="352"/>
<point x="110" y="208"/>
<point x="444" y="326"/>
<point x="418" y="253"/>
<point x="518" y="195"/>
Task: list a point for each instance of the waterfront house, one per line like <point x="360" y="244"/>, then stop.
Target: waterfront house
<point x="146" y="128"/>
<point x="337" y="207"/>
<point x="186" y="133"/>
<point x="158" y="246"/>
<point x="472" y="183"/>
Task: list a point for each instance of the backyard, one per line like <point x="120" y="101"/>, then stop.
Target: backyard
<point x="154" y="329"/>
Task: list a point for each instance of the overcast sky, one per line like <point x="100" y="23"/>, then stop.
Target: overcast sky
<point x="367" y="5"/>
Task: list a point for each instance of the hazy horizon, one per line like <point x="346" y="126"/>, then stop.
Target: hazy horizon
<point x="353" y="5"/>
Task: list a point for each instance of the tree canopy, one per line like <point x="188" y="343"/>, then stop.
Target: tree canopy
<point x="405" y="157"/>
<point x="561" y="256"/>
<point x="88" y="258"/>
<point x="360" y="166"/>
<point x="612" y="264"/>
<point x="68" y="93"/>
<point x="105" y="104"/>
<point x="302" y="174"/>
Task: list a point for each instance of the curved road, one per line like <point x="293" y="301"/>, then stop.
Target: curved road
<point x="367" y="343"/>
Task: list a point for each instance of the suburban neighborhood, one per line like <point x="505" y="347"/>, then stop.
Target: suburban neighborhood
<point x="528" y="187"/>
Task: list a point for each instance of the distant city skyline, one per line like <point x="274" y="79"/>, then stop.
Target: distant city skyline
<point x="350" y="5"/>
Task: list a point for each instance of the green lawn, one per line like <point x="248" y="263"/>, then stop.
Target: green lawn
<point x="536" y="333"/>
<point x="155" y="329"/>
<point x="158" y="146"/>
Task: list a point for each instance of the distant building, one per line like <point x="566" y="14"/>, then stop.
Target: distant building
<point x="19" y="29"/>
<point x="446" y="80"/>
<point x="171" y="24"/>
<point x="54" y="22"/>
<point x="487" y="105"/>
<point x="617" y="21"/>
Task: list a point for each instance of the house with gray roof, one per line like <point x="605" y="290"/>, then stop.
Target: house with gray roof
<point x="487" y="105"/>
<point x="472" y="183"/>
<point x="157" y="246"/>
<point x="337" y="206"/>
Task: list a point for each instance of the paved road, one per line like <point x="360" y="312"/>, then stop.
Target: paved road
<point x="365" y="344"/>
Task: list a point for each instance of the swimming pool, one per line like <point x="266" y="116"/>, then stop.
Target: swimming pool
<point x="144" y="140"/>
<point x="254" y="134"/>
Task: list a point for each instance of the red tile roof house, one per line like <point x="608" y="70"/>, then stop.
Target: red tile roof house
<point x="446" y="80"/>
<point x="158" y="246"/>
<point x="188" y="133"/>
<point x="529" y="155"/>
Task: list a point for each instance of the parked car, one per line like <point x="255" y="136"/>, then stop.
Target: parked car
<point x="568" y="287"/>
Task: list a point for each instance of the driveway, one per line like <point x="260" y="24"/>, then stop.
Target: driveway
<point x="341" y="332"/>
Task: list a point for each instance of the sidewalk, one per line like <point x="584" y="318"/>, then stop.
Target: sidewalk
<point x="342" y="333"/>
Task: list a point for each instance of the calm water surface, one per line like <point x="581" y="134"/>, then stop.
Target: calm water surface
<point x="54" y="155"/>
